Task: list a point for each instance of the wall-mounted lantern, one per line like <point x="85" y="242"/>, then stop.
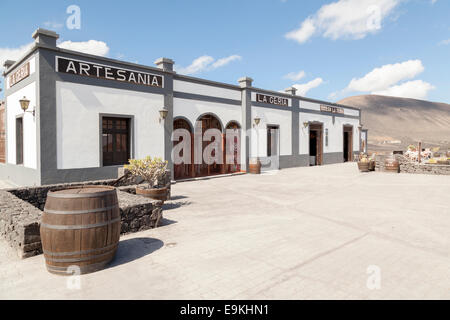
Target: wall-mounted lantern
<point x="163" y="114"/>
<point x="24" y="104"/>
<point x="257" y="120"/>
<point x="306" y="124"/>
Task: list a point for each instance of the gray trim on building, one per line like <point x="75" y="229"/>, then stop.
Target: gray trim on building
<point x="302" y="110"/>
<point x="192" y="96"/>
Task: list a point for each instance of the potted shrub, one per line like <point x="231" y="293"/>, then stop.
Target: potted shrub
<point x="152" y="170"/>
<point x="363" y="163"/>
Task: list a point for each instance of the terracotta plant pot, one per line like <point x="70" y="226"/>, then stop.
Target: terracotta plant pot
<point x="363" y="166"/>
<point x="153" y="193"/>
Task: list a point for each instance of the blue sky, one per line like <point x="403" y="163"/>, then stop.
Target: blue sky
<point x="327" y="49"/>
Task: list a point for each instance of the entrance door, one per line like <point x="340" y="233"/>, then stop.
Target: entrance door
<point x="209" y="122"/>
<point x="348" y="143"/>
<point x="183" y="170"/>
<point x="235" y="167"/>
<point x="316" y="144"/>
<point x="273" y="146"/>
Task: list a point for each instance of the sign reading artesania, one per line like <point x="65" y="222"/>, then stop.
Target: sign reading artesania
<point x="89" y="69"/>
<point x="272" y="100"/>
<point x="325" y="108"/>
<point x="20" y="74"/>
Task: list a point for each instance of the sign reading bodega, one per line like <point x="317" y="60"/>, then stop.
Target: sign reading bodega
<point x="272" y="100"/>
<point x="20" y="74"/>
<point x="83" y="68"/>
<point x="325" y="108"/>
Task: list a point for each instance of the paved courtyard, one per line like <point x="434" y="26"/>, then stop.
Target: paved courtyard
<point x="306" y="233"/>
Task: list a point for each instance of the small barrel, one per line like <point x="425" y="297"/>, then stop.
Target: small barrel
<point x="80" y="229"/>
<point x="153" y="193"/>
<point x="254" y="166"/>
<point x="363" y="166"/>
<point x="391" y="165"/>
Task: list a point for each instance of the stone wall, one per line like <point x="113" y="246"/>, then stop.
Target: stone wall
<point x="21" y="211"/>
<point x="407" y="166"/>
<point x="19" y="225"/>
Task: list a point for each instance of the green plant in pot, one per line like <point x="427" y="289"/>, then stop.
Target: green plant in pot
<point x="152" y="170"/>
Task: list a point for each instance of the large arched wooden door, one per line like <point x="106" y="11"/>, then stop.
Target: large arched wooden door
<point x="183" y="170"/>
<point x="236" y="166"/>
<point x="208" y="122"/>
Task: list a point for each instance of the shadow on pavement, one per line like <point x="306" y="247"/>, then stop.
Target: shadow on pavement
<point x="133" y="249"/>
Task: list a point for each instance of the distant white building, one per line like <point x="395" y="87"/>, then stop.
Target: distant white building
<point x="88" y="115"/>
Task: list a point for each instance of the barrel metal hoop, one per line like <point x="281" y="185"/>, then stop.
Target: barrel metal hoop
<point x="81" y="211"/>
<point x="76" y="227"/>
<point x="62" y="254"/>
<point x="63" y="270"/>
<point x="80" y="195"/>
<point x="79" y="259"/>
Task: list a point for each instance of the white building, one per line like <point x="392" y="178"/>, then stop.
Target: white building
<point x="88" y="115"/>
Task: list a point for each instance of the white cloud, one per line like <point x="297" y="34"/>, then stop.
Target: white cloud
<point x="98" y="48"/>
<point x="295" y="76"/>
<point x="224" y="61"/>
<point x="351" y="19"/>
<point x="386" y="76"/>
<point x="444" y="42"/>
<point x="12" y="54"/>
<point x="302" y="89"/>
<point x="305" y="31"/>
<point x="206" y="63"/>
<point x="417" y="89"/>
<point x="53" y="25"/>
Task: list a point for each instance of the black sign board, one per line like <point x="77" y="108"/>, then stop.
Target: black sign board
<point x="89" y="69"/>
<point x="325" y="108"/>
<point x="284" y="102"/>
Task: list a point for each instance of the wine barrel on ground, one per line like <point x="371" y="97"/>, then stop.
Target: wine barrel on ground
<point x="391" y="165"/>
<point x="80" y="229"/>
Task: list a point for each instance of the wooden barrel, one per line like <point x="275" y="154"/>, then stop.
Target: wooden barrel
<point x="391" y="165"/>
<point x="363" y="166"/>
<point x="254" y="167"/>
<point x="80" y="227"/>
<point x="153" y="193"/>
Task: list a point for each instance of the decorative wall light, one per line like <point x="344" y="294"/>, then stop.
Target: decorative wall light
<point x="305" y="124"/>
<point x="24" y="104"/>
<point x="163" y="114"/>
<point x="257" y="120"/>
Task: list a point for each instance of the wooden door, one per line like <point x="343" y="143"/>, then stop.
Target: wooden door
<point x="208" y="122"/>
<point x="235" y="167"/>
<point x="183" y="170"/>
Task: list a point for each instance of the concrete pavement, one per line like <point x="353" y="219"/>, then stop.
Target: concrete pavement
<point x="305" y="233"/>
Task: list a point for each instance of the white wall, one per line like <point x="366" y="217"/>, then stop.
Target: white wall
<point x="271" y="116"/>
<point x="335" y="132"/>
<point x="206" y="90"/>
<point x="13" y="109"/>
<point x="78" y="109"/>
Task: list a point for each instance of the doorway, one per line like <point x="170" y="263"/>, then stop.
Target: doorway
<point x="235" y="166"/>
<point x="183" y="170"/>
<point x="315" y="144"/>
<point x="209" y="121"/>
<point x="348" y="143"/>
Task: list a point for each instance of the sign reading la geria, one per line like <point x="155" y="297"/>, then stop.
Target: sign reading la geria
<point x="272" y="100"/>
<point x="83" y="68"/>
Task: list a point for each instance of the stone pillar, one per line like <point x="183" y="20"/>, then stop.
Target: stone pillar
<point x="167" y="66"/>
<point x="246" y="85"/>
<point x="45" y="37"/>
<point x="295" y="126"/>
<point x="8" y="63"/>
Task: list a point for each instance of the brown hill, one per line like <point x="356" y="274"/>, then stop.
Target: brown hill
<point x="394" y="123"/>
